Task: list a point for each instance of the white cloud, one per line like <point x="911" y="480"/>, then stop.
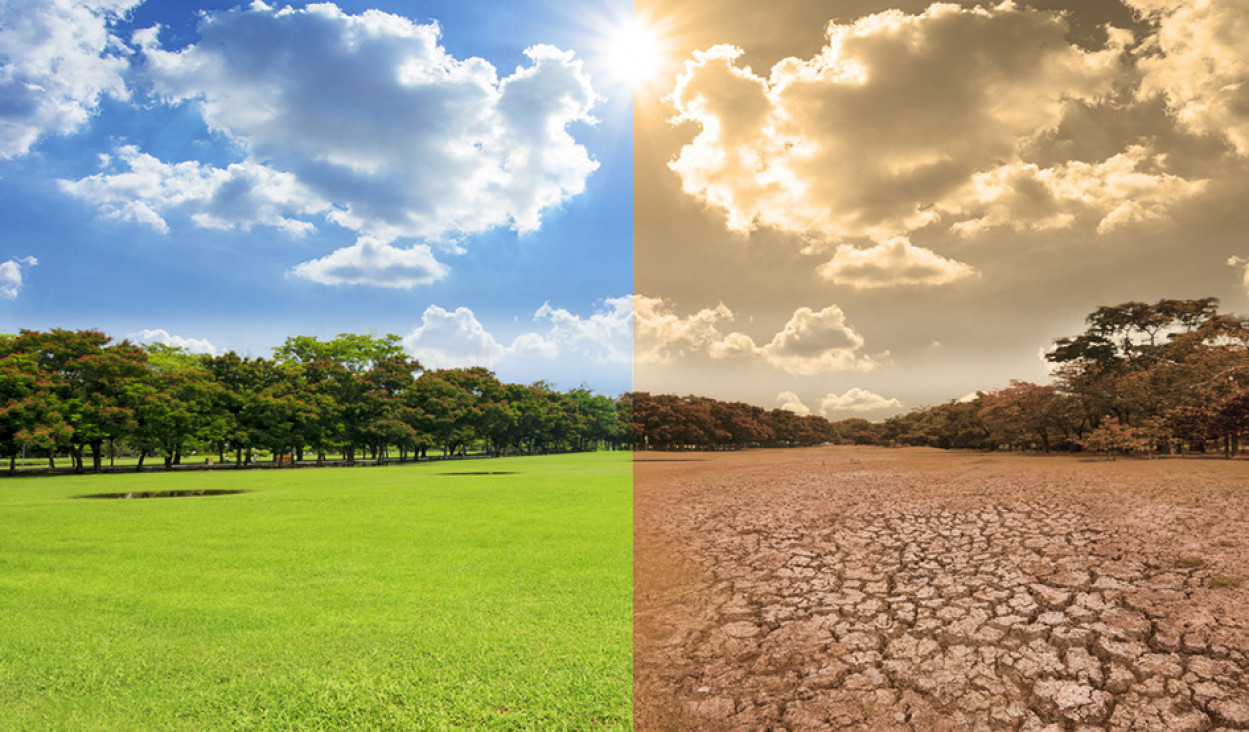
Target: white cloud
<point x="58" y="59"/>
<point x="606" y="334"/>
<point x="1130" y="187"/>
<point x="815" y="342"/>
<point x="373" y="262"/>
<point x="872" y="136"/>
<point x="367" y="121"/>
<point x="455" y="339"/>
<point x="11" y="276"/>
<point x="240" y="196"/>
<point x="856" y="400"/>
<point x="894" y="262"/>
<point x="1197" y="62"/>
<point x="792" y="403"/>
<point x="533" y="345"/>
<point x="810" y="343"/>
<point x="1051" y="368"/>
<point x="158" y="335"/>
<point x="660" y="335"/>
<point x="1243" y="263"/>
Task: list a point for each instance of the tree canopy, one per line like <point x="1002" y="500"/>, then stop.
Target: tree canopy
<point x="74" y="393"/>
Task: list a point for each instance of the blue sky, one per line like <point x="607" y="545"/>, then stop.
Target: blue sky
<point x="226" y="176"/>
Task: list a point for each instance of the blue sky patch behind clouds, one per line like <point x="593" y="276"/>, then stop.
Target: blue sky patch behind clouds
<point x="238" y="174"/>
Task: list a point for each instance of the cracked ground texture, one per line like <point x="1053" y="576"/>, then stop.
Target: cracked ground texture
<point x="878" y="589"/>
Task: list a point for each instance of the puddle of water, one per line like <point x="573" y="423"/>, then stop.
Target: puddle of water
<point x="161" y="494"/>
<point x="483" y="472"/>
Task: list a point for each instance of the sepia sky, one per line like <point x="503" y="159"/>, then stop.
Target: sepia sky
<point x="851" y="208"/>
<point x="856" y="208"/>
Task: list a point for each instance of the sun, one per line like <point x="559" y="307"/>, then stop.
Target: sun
<point x="636" y="52"/>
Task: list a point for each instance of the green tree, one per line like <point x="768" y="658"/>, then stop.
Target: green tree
<point x="172" y="409"/>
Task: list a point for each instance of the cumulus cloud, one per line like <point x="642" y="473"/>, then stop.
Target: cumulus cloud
<point x="58" y="59"/>
<point x="1051" y="368"/>
<point x="240" y="196"/>
<point x="856" y="400"/>
<point x="453" y="340"/>
<point x="606" y="334"/>
<point x="364" y="120"/>
<point x="11" y="276"/>
<point x="811" y="342"/>
<point x="1127" y="188"/>
<point x="1243" y="263"/>
<point x="375" y="262"/>
<point x="790" y="402"/>
<point x="960" y="120"/>
<point x="894" y="262"/>
<point x="457" y="339"/>
<point x="159" y="335"/>
<point x="895" y="114"/>
<point x="660" y="335"/>
<point x="816" y="342"/>
<point x="1196" y="61"/>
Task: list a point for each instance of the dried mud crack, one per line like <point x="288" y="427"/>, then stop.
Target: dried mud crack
<point x="886" y="590"/>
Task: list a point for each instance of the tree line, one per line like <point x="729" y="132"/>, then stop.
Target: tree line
<point x="1166" y="377"/>
<point x="1171" y="376"/>
<point x="82" y="395"/>
<point x="667" y="422"/>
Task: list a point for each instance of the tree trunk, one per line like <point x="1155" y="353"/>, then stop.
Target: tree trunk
<point x="97" y="458"/>
<point x="139" y="467"/>
<point x="51" y="459"/>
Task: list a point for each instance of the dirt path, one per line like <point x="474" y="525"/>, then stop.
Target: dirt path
<point x="875" y="589"/>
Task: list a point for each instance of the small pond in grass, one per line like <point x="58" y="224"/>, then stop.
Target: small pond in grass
<point x="483" y="472"/>
<point x="161" y="494"/>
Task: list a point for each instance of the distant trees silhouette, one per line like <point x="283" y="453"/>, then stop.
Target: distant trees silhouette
<point x="666" y="422"/>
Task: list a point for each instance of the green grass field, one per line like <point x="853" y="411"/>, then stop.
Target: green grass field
<point x="391" y="597"/>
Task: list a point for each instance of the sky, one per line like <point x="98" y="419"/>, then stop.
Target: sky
<point x="840" y="207"/>
<point x="856" y="208"/>
<point x="222" y="176"/>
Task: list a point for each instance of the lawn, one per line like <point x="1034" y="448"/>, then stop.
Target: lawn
<point x="397" y="597"/>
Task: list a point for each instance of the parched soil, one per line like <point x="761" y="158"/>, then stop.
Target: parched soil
<point x="878" y="589"/>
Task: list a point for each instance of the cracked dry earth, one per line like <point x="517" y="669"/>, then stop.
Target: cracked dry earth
<point x="877" y="589"/>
